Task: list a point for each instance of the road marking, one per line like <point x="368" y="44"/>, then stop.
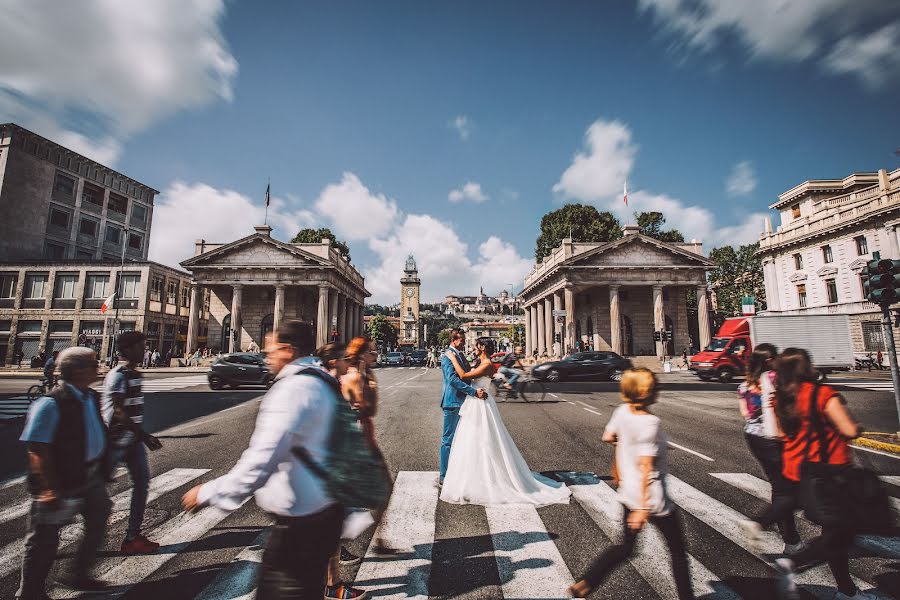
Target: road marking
<point x="892" y="479"/>
<point x="10" y="555"/>
<point x="602" y="505"/>
<point x="694" y="452"/>
<point x="237" y="581"/>
<point x="11" y="482"/>
<point x="873" y="451"/>
<point x="724" y="520"/>
<point x="591" y="410"/>
<point x="555" y="396"/>
<point x="528" y="561"/>
<point x="408" y="526"/>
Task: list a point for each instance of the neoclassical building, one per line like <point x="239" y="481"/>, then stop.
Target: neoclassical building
<point x="615" y="295"/>
<point x="257" y="281"/>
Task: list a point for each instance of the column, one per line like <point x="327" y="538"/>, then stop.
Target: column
<point x="279" y="307"/>
<point x="346" y="333"/>
<point x="341" y="320"/>
<point x="360" y="320"/>
<point x="703" y="316"/>
<point x="569" y="298"/>
<point x="323" y="325"/>
<point x="541" y="331"/>
<point x="891" y="234"/>
<point x="236" y="296"/>
<point x="549" y="323"/>
<point x="659" y="319"/>
<point x="770" y="278"/>
<point x="529" y="345"/>
<point x="193" y="319"/>
<point x="615" y="320"/>
<point x="351" y="320"/>
<point x="332" y="313"/>
<point x="557" y="305"/>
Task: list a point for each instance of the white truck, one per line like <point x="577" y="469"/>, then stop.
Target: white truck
<point x="825" y="337"/>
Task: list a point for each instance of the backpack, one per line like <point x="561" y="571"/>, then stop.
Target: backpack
<point x="353" y="474"/>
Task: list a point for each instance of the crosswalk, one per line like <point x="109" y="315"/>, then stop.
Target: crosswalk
<point x="875" y="385"/>
<point x="528" y="558"/>
<point x="13" y="408"/>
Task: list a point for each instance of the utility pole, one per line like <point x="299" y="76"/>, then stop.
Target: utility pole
<point x="882" y="289"/>
<point x="118" y="298"/>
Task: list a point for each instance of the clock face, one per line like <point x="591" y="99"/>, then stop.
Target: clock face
<point x="410" y="292"/>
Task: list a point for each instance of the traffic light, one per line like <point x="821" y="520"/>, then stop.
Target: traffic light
<point x="883" y="283"/>
<point x="657" y="336"/>
<point x="669" y="335"/>
<point x="557" y="338"/>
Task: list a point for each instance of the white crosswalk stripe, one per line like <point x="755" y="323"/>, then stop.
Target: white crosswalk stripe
<point x="166" y="384"/>
<point x="14" y="408"/>
<point x="875" y="385"/>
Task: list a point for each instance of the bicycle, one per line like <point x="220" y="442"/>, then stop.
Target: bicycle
<point x="527" y="388"/>
<point x="39" y="389"/>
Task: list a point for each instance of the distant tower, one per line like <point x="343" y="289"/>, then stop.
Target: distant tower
<point x="409" y="304"/>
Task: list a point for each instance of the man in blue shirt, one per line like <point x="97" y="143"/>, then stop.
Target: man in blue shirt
<point x="50" y="369"/>
<point x="66" y="452"/>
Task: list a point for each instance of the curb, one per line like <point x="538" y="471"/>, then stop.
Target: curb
<point x="877" y="445"/>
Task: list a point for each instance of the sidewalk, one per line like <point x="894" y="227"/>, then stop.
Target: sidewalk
<point x="32" y="373"/>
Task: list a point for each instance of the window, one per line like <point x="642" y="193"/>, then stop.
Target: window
<point x="29" y="326"/>
<point x="138" y="214"/>
<point x="113" y="235"/>
<point x="88" y="228"/>
<point x="35" y="285"/>
<point x="64" y="185"/>
<point x="795" y="211"/>
<point x="92" y="196"/>
<point x="798" y="261"/>
<point x="831" y="291"/>
<point x="60" y="327"/>
<point x="8" y="285"/>
<point x="156" y="287"/>
<point x="118" y="204"/>
<point x="135" y="241"/>
<point x="862" y="246"/>
<point x="185" y="296"/>
<point x="92" y="327"/>
<point x="863" y="282"/>
<point x="95" y="286"/>
<point x="873" y="336"/>
<point x="171" y="292"/>
<point x="65" y="286"/>
<point x="801" y="295"/>
<point x="59" y="218"/>
<point x="827" y="255"/>
<point x="152" y="329"/>
<point x="54" y="251"/>
<point x="84" y="254"/>
<point x="129" y="286"/>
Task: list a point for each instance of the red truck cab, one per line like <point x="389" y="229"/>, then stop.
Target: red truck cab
<point x="727" y="353"/>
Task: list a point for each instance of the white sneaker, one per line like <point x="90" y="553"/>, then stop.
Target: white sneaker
<point x="859" y="595"/>
<point x="787" y="587"/>
<point x="753" y="534"/>
<point x="792" y="549"/>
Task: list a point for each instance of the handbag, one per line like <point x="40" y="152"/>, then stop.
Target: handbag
<point x="840" y="494"/>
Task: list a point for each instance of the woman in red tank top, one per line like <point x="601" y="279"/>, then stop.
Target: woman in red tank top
<point x="796" y="390"/>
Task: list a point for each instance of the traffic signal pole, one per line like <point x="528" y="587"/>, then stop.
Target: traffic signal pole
<point x="883" y="288"/>
<point x="888" y="330"/>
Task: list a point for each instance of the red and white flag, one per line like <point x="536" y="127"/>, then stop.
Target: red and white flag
<point x="107" y="304"/>
<point x="626" y="193"/>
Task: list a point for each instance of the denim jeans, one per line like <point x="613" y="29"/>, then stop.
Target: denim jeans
<point x="135" y="458"/>
<point x="512" y="375"/>
<point x="451" y="420"/>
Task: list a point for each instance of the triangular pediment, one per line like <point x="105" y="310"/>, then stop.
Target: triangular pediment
<point x="255" y="251"/>
<point x="859" y="264"/>
<point x="640" y="251"/>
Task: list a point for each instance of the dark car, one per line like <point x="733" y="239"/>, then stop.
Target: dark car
<point x="239" y="368"/>
<point x="418" y="358"/>
<point x="583" y="365"/>
<point x="392" y="358"/>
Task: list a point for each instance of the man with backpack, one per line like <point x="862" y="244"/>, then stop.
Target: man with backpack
<point x="286" y="466"/>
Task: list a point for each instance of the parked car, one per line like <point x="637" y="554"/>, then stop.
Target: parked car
<point x="583" y="365"/>
<point x="392" y="358"/>
<point x="239" y="368"/>
<point x="418" y="358"/>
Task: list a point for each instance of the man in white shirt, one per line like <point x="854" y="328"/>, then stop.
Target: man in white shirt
<point x="296" y="412"/>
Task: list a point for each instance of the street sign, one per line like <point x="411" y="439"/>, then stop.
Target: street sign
<point x="560" y="319"/>
<point x="559" y="313"/>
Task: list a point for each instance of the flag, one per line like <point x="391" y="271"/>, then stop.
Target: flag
<point x="626" y="193"/>
<point x="267" y="195"/>
<point x="107" y="304"/>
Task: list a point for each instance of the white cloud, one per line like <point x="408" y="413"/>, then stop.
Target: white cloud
<point x="355" y="212"/>
<point x="93" y="72"/>
<point x="789" y="31"/>
<point x="742" y="179"/>
<point x="470" y="191"/>
<point x="184" y="213"/>
<point x="598" y="171"/>
<point x="463" y="126"/>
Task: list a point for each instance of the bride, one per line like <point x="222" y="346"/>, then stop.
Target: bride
<point x="485" y="466"/>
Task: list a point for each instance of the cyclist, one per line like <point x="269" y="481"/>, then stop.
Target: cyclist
<point x="49" y="370"/>
<point x="512" y="368"/>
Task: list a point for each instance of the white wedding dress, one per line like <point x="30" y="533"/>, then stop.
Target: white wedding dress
<point x="485" y="466"/>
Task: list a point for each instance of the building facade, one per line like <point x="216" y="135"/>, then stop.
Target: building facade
<point x="74" y="208"/>
<point x="615" y="295"/>
<point x="53" y="305"/>
<point x="257" y="281"/>
<point x="813" y="260"/>
<point x="410" y="290"/>
<point x="502" y="304"/>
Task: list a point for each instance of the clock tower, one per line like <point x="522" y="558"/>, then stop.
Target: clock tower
<point x="409" y="304"/>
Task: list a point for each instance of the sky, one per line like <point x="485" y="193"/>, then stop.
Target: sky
<point x="447" y="130"/>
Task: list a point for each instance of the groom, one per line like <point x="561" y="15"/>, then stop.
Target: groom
<point x="454" y="394"/>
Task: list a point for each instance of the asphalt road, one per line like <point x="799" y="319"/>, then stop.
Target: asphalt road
<point x="469" y="551"/>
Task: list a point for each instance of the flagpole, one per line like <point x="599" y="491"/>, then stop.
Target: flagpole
<point x="266" y="220"/>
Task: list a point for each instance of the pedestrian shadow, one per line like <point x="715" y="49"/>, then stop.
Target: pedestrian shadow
<point x="193" y="436"/>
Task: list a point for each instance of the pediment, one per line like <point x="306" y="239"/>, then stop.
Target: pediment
<point x="859" y="264"/>
<point x="827" y="271"/>
<point x="255" y="251"/>
<point x="798" y="276"/>
<point x="639" y="251"/>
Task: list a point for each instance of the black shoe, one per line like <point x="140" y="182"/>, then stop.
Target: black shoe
<point x="348" y="558"/>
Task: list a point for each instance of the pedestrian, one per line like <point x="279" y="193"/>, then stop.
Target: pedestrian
<point x="756" y="403"/>
<point x="879" y="357"/>
<point x="155" y="358"/>
<point x="296" y="412"/>
<point x="66" y="448"/>
<point x="684" y="358"/>
<point x="19" y="357"/>
<point x="641" y="462"/>
<point x="869" y="361"/>
<point x="797" y="399"/>
<point x="50" y="370"/>
<point x="147" y="355"/>
<point x="123" y="413"/>
<point x="534" y="356"/>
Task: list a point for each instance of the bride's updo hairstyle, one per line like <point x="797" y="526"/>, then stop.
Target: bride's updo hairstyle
<point x="486" y="343"/>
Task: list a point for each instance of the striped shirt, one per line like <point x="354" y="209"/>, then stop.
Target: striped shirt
<point x="122" y="380"/>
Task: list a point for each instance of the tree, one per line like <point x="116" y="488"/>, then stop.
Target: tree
<point x="515" y="334"/>
<point x="739" y="273"/>
<point x="583" y="223"/>
<point x="651" y="224"/>
<point x="443" y="338"/>
<point x="381" y="330"/>
<point x="315" y="236"/>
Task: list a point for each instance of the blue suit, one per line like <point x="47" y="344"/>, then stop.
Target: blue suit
<point x="453" y="395"/>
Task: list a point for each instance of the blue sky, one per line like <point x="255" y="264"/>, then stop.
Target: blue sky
<point x="367" y="116"/>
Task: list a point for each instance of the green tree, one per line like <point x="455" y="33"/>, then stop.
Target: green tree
<point x="516" y="333"/>
<point x="315" y="236"/>
<point x="443" y="338"/>
<point x="651" y="224"/>
<point x="381" y="330"/>
<point x="584" y="223"/>
<point x="739" y="273"/>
